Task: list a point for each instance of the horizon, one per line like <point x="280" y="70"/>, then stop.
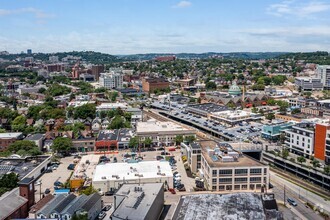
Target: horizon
<point x="180" y="26"/>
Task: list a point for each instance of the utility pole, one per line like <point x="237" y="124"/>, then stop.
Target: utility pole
<point x="284" y="196"/>
<point x="40" y="189"/>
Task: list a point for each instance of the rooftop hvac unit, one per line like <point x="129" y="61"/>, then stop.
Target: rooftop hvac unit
<point x="136" y="174"/>
<point x="114" y="176"/>
<point x="103" y="177"/>
<point x="233" y="154"/>
<point x="210" y="152"/>
<point x="227" y="159"/>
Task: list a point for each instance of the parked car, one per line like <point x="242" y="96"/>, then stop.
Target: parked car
<point x="58" y="183"/>
<point x="172" y="190"/>
<point x="47" y="191"/>
<point x="102" y="215"/>
<point x="109" y="193"/>
<point x="163" y="153"/>
<point x="49" y="170"/>
<point x="71" y="166"/>
<point x="106" y="208"/>
<point x="291" y="202"/>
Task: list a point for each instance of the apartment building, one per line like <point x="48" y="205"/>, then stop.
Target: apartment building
<point x="151" y="84"/>
<point x="323" y="73"/>
<point x="225" y="169"/>
<point x="111" y="80"/>
<point x="308" y="84"/>
<point x="194" y="158"/>
<point x="300" y="139"/>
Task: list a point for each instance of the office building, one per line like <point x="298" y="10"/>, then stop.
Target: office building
<point x="139" y="202"/>
<point x="308" y="83"/>
<point x="97" y="70"/>
<point x="225" y="169"/>
<point x="111" y="80"/>
<point x="110" y="176"/>
<point x="300" y="139"/>
<point x="322" y="142"/>
<point x="323" y="73"/>
<point x="273" y="130"/>
<point x="161" y="133"/>
<point x="194" y="158"/>
<point x="29" y="51"/>
<point x="149" y="85"/>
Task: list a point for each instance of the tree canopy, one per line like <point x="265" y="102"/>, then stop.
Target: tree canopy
<point x="62" y="145"/>
<point x="24" y="148"/>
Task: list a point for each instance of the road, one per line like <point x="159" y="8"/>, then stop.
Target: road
<point x="292" y="191"/>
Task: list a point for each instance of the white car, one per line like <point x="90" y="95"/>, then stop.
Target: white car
<point x="177" y="178"/>
<point x="177" y="175"/>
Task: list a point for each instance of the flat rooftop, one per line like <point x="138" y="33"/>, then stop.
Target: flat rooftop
<point x="218" y="155"/>
<point x="131" y="171"/>
<point x="208" y="107"/>
<point x="233" y="115"/>
<point x="216" y="206"/>
<point x="10" y="135"/>
<point x="159" y="127"/>
<point x="138" y="201"/>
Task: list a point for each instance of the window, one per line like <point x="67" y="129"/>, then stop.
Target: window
<point x="225" y="180"/>
<point x="237" y="187"/>
<point x="221" y="188"/>
<point x="214" y="187"/>
<point x="265" y="170"/>
<point x="225" y="172"/>
<point x="241" y="171"/>
<point x="240" y="180"/>
<point x="244" y="187"/>
<point x="255" y="171"/>
<point x="229" y="187"/>
<point x="255" y="179"/>
<point x="214" y="172"/>
<point x="214" y="180"/>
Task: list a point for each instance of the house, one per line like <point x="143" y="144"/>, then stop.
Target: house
<point x="39" y="205"/>
<point x="92" y="206"/>
<point x="45" y="211"/>
<point x="51" y="135"/>
<point x="96" y="124"/>
<point x="75" y="205"/>
<point x="56" y="212"/>
<point x="37" y="139"/>
<point x="4" y="123"/>
<point x="84" y="141"/>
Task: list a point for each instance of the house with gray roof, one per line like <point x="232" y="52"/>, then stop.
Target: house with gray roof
<point x="38" y="139"/>
<point x="75" y="205"/>
<point x="92" y="207"/>
<point x="56" y="212"/>
<point x="48" y="209"/>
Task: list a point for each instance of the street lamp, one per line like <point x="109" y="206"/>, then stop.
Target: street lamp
<point x="40" y="188"/>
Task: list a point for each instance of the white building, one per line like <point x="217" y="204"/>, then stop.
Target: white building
<point x="224" y="169"/>
<point x="111" y="80"/>
<point x="323" y="73"/>
<point x="300" y="139"/>
<point x="233" y="117"/>
<point x="111" y="106"/>
<point x="161" y="132"/>
<point x="111" y="176"/>
<point x="53" y="59"/>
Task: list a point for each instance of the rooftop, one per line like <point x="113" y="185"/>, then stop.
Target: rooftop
<point x="159" y="127"/>
<point x="10" y="201"/>
<point x="107" y="135"/>
<point x="34" y="137"/>
<point x="138" y="201"/>
<point x="223" y="155"/>
<point x="132" y="171"/>
<point x="215" y="206"/>
<point x="10" y="135"/>
<point x="209" y="107"/>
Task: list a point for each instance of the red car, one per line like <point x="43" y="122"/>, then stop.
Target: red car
<point x="172" y="190"/>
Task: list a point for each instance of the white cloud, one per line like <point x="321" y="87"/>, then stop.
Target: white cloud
<point x="302" y="10"/>
<point x="38" y="14"/>
<point x="182" y="4"/>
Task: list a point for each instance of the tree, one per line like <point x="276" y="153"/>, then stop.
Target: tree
<point x="316" y="163"/>
<point x="133" y="142"/>
<point x="56" y="89"/>
<point x="254" y="110"/>
<point x="211" y="85"/>
<point x="285" y="153"/>
<point x="301" y="159"/>
<point x="62" y="145"/>
<point x="178" y="139"/>
<point x="85" y="111"/>
<point x="8" y="182"/>
<point x="147" y="142"/>
<point x="80" y="217"/>
<point x="42" y="90"/>
<point x="190" y="139"/>
<point x="88" y="191"/>
<point x="24" y="147"/>
<point x="295" y="111"/>
<point x="270" y="116"/>
<point x="327" y="170"/>
<point x="117" y="122"/>
<point x="19" y="123"/>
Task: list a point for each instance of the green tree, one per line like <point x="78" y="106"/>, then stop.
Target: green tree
<point x="133" y="142"/>
<point x="56" y="89"/>
<point x="295" y="111"/>
<point x="8" y="114"/>
<point x="62" y="145"/>
<point x="147" y="142"/>
<point x="285" y="153"/>
<point x="327" y="170"/>
<point x="19" y="123"/>
<point x="88" y="191"/>
<point x="178" y="139"/>
<point x="190" y="139"/>
<point x="80" y="217"/>
<point x="316" y="163"/>
<point x="270" y="116"/>
<point x="301" y="159"/>
<point x="117" y="122"/>
<point x="210" y="86"/>
<point x="8" y="182"/>
<point x="24" y="147"/>
<point x="85" y="111"/>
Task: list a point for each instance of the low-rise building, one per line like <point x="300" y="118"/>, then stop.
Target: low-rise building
<point x="37" y="139"/>
<point x="139" y="201"/>
<point x="149" y="85"/>
<point x="224" y="169"/>
<point x="111" y="80"/>
<point x="8" y="138"/>
<point x="300" y="139"/>
<point x="110" y="176"/>
<point x="161" y="132"/>
<point x="233" y="117"/>
<point x="194" y="158"/>
<point x="308" y="83"/>
<point x="273" y="130"/>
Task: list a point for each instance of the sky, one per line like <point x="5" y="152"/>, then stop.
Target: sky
<point x="165" y="26"/>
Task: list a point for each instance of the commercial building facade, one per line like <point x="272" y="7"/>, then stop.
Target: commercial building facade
<point x="308" y="84"/>
<point x="149" y="85"/>
<point x="111" y="80"/>
<point x="323" y="73"/>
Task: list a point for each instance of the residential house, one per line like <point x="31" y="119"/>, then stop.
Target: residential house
<point x="38" y="139"/>
<point x="56" y="212"/>
<point x="92" y="206"/>
<point x="75" y="205"/>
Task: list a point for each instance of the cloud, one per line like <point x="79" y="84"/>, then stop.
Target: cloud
<point x="302" y="10"/>
<point x="182" y="4"/>
<point x="38" y="14"/>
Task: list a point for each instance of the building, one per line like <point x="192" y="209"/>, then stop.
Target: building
<point x="136" y="115"/>
<point x="96" y="70"/>
<point x="312" y="111"/>
<point x="17" y="202"/>
<point x="243" y="206"/>
<point x="149" y="85"/>
<point x="224" y="169"/>
<point x="53" y="59"/>
<point x="194" y="158"/>
<point x="205" y="109"/>
<point x="37" y="139"/>
<point x="273" y="130"/>
<point x="56" y="212"/>
<point x="29" y="51"/>
<point x="8" y="138"/>
<point x="327" y="150"/>
<point x="110" y="176"/>
<point x="39" y="205"/>
<point x="300" y="139"/>
<point x="107" y="140"/>
<point x="323" y="73"/>
<point x="161" y="133"/>
<point x="112" y="80"/>
<point x="308" y="83"/>
<point x="139" y="202"/>
<point x="55" y="68"/>
<point x="111" y="106"/>
<point x="301" y="102"/>
<point x="234" y="117"/>
<point x="86" y="77"/>
<point x="321" y="146"/>
<point x="92" y="207"/>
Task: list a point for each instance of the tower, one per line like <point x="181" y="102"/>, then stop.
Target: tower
<point x="26" y="190"/>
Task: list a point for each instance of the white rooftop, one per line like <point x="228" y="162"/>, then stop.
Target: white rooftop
<point x="127" y="171"/>
<point x="112" y="105"/>
<point x="233" y="114"/>
<point x="153" y="125"/>
<point x="10" y="135"/>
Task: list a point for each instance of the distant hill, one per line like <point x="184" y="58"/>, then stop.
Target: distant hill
<point x="89" y="56"/>
<point x="319" y="57"/>
<point x="234" y="55"/>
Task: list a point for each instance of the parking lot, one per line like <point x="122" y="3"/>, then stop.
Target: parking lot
<point x="47" y="179"/>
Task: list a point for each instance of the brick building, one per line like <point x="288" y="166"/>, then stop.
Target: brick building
<point x="151" y="84"/>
